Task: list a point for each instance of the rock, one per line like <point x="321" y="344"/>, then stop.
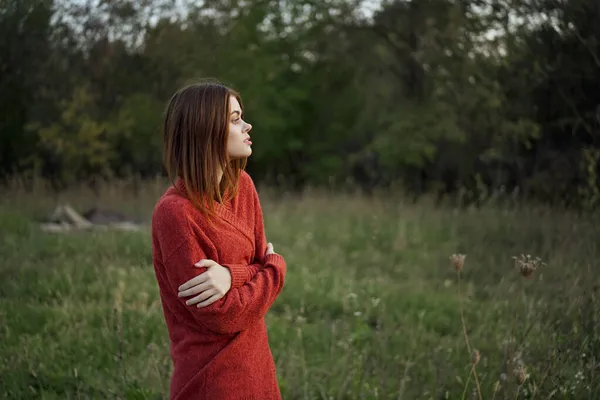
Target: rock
<point x="104" y="217"/>
<point x="66" y="214"/>
<point x="65" y="219"/>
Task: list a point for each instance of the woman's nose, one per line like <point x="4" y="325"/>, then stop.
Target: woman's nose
<point x="247" y="127"/>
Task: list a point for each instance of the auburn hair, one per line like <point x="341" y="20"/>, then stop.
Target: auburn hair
<point x="195" y="134"/>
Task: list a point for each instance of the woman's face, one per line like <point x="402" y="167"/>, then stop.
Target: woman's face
<point x="238" y="142"/>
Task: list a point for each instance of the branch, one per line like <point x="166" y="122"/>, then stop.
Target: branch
<point x="584" y="42"/>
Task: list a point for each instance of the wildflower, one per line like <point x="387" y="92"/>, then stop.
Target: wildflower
<point x="520" y="374"/>
<point x="497" y="386"/>
<point x="527" y="265"/>
<point x="476" y="357"/>
<point x="474" y="394"/>
<point x="458" y="260"/>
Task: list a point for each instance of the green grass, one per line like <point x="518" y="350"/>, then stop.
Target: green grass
<point x="370" y="309"/>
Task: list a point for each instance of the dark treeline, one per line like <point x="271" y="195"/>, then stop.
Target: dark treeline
<point x="443" y="96"/>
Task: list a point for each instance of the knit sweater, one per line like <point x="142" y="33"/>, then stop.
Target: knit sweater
<point x="221" y="351"/>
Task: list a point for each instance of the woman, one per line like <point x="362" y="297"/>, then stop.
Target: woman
<point x="216" y="273"/>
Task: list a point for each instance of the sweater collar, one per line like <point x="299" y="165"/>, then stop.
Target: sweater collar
<point x="226" y="212"/>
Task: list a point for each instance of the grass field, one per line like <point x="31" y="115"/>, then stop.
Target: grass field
<point x="371" y="308"/>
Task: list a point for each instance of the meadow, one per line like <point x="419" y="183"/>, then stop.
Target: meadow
<point x="373" y="306"/>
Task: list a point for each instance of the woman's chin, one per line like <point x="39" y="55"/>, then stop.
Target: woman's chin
<point x="241" y="155"/>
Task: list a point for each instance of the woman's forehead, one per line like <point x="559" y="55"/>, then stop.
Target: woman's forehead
<point x="234" y="104"/>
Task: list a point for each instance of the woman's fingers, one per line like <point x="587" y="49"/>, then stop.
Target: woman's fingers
<point x="201" y="297"/>
<point x="205" y="263"/>
<point x="193" y="282"/>
<point x="196" y="289"/>
<point x="209" y="301"/>
<point x="200" y="278"/>
<point x="270" y="249"/>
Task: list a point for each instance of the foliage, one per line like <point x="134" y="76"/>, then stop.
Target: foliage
<point x="444" y="96"/>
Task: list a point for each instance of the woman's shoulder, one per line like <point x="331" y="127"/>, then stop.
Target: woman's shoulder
<point x="172" y="208"/>
<point x="246" y="184"/>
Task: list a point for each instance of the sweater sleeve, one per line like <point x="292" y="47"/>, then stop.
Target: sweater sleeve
<point x="241" y="273"/>
<point x="241" y="306"/>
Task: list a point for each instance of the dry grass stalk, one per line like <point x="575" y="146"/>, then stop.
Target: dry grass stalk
<point x="526" y="265"/>
<point x="458" y="261"/>
<point x="475" y="357"/>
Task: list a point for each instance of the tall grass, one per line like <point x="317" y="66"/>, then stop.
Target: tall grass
<point x="372" y="307"/>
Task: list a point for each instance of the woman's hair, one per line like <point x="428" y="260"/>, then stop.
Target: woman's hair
<point x="196" y="129"/>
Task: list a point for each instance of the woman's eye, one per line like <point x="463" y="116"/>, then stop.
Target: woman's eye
<point x="235" y="121"/>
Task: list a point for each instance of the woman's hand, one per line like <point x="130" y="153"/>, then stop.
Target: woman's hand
<point x="209" y="286"/>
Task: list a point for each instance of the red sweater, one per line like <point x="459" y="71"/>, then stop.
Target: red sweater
<point x="221" y="351"/>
